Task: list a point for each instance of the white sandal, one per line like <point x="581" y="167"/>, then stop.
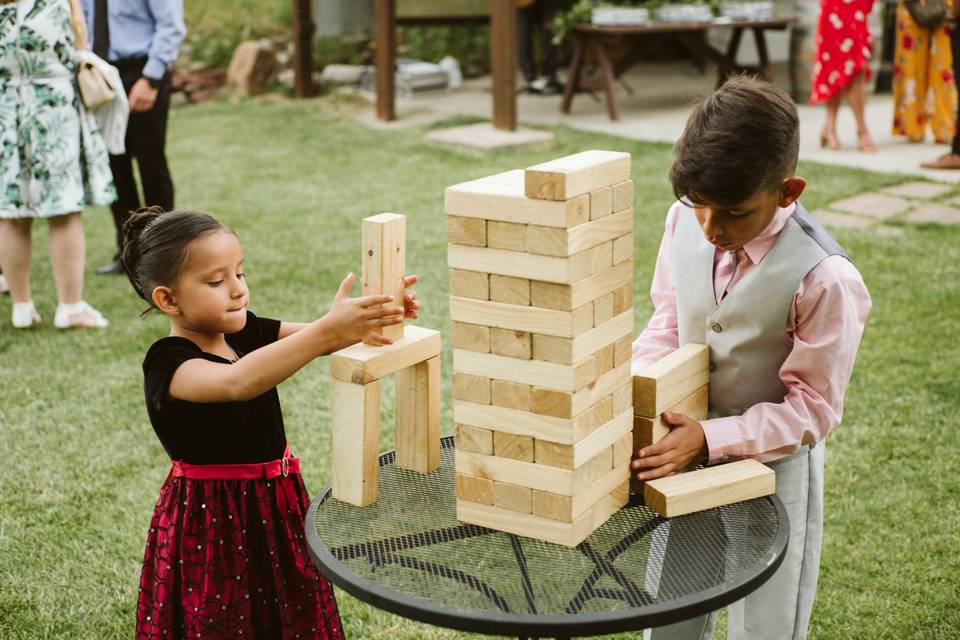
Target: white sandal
<point x="61" y="320"/>
<point x="24" y="315"/>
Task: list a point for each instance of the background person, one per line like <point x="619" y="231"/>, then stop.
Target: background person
<point x="951" y="160"/>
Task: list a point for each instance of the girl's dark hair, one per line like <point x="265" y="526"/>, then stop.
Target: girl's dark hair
<point x="741" y="139"/>
<point x="156" y="244"/>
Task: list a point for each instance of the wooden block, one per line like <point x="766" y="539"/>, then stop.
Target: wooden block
<point x="553" y="349"/>
<point x="360" y="363"/>
<point x="573" y="175"/>
<point x="517" y="263"/>
<point x="506" y="235"/>
<point x="623" y="299"/>
<point x="478" y="490"/>
<point x="418" y="416"/>
<point x="569" y="534"/>
<point x="602" y="309"/>
<point x="525" y="423"/>
<point x="553" y="454"/>
<point x="508" y="445"/>
<point x="510" y="395"/>
<point x="474" y="439"/>
<point x="585" y="373"/>
<point x="553" y="241"/>
<point x="582" y="319"/>
<point x="601" y="464"/>
<point x="601" y="203"/>
<point x="469" y="284"/>
<point x="603" y="438"/>
<point x="623" y="248"/>
<point x="594" y="260"/>
<point x="384" y="255"/>
<point x="623" y="350"/>
<point x="622" y="195"/>
<point x="518" y="317"/>
<point x="670" y="379"/>
<point x="569" y="297"/>
<point x="549" y="402"/>
<point x="356" y="440"/>
<point x="603" y="335"/>
<point x="533" y="372"/>
<point x="507" y="342"/>
<point x="647" y="431"/>
<point x="623" y="398"/>
<point x="563" y="404"/>
<point x="510" y="290"/>
<point x="551" y="506"/>
<point x="502" y="198"/>
<point x="473" y="337"/>
<point x="605" y="359"/>
<point x="569" y="508"/>
<point x="623" y="450"/>
<point x="470" y="231"/>
<point x="471" y="388"/>
<point x="524" y="473"/>
<point x="512" y="497"/>
<point x="708" y="488"/>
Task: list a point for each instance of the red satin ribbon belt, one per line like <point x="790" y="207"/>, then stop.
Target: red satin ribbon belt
<point x="259" y="470"/>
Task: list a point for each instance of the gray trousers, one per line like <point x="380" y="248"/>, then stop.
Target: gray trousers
<point x="780" y="609"/>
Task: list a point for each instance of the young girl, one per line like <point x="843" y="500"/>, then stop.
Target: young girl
<point x="226" y="553"/>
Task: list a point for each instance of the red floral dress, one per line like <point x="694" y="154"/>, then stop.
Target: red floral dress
<point x="842" y="47"/>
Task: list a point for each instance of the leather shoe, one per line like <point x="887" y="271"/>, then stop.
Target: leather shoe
<point x="112" y="268"/>
<point x="948" y="161"/>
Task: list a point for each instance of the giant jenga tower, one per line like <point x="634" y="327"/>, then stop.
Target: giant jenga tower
<point x="541" y="277"/>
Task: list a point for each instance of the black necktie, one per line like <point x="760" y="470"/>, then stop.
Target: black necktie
<point x="101" y="29"/>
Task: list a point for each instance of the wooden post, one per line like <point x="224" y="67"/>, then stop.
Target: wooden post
<point x="385" y="18"/>
<point x="303" y="29"/>
<point x="356" y="441"/>
<point x="418" y="416"/>
<point x="503" y="58"/>
<point x="384" y="255"/>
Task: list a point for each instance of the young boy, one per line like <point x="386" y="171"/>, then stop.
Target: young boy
<point x="746" y="270"/>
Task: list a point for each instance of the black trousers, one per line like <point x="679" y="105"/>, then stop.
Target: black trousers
<point x="146" y="142"/>
<point x="955" y="48"/>
<point x="537" y="18"/>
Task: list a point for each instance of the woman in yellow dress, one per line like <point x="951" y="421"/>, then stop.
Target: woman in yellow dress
<point x="923" y="88"/>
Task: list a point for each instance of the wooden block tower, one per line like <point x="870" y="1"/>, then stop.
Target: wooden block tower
<point x="541" y="282"/>
<point x="414" y="357"/>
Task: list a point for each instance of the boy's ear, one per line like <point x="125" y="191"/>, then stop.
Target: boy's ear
<point x="790" y="190"/>
<point x="164" y="301"/>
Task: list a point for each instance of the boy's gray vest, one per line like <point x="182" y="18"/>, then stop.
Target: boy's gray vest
<point x="747" y="331"/>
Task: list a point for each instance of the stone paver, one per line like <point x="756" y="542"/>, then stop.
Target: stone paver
<point x="831" y="219"/>
<point x="936" y="213"/>
<point x="873" y="205"/>
<point x="888" y="231"/>
<point x="484" y="137"/>
<point x="922" y="190"/>
<point x="953" y="202"/>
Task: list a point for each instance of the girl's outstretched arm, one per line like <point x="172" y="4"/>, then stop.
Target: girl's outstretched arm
<point x="349" y="320"/>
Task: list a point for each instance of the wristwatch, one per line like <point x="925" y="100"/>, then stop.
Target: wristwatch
<point x="153" y="82"/>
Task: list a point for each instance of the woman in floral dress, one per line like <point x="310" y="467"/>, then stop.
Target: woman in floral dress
<point x="53" y="160"/>
<point x="924" y="93"/>
<point x="840" y="67"/>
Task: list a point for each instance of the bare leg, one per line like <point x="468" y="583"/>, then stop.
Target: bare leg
<point x="857" y="97"/>
<point x="67" y="255"/>
<point x="15" y="249"/>
<point x="828" y="137"/>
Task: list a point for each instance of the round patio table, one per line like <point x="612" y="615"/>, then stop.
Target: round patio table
<point x="409" y="555"/>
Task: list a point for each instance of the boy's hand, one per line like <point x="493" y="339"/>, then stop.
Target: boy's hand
<point x="410" y="304"/>
<point x="352" y="319"/>
<point x="684" y="444"/>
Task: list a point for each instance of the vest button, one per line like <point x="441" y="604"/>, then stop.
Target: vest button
<point x="716" y="327"/>
<point x="713" y="366"/>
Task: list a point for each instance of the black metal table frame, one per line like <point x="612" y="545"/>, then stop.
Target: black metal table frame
<point x="516" y="624"/>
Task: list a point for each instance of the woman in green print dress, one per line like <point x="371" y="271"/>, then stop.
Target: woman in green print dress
<point x="53" y="160"/>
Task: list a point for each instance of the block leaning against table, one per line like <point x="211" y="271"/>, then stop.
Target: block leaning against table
<point x="142" y="39"/>
<point x="53" y="160"/>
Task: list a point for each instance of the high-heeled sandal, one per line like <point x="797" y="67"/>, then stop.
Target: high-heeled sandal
<point x="65" y="312"/>
<point x="24" y="315"/>
<point x="867" y="147"/>
<point x="830" y="141"/>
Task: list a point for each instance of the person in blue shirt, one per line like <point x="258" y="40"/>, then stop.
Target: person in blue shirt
<point x="141" y="38"/>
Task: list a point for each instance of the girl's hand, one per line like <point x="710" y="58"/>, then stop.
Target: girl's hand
<point x="410" y="304"/>
<point x="355" y="319"/>
<point x="684" y="444"/>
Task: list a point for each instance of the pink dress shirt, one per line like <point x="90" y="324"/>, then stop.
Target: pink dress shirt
<point x="825" y="324"/>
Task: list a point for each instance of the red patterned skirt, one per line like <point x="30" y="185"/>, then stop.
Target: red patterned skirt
<point x="227" y="558"/>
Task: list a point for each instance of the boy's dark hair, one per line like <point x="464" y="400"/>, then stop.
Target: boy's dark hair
<point x="156" y="244"/>
<point x="742" y="139"/>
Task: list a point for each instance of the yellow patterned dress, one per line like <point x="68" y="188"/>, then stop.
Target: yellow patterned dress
<point x="923" y="88"/>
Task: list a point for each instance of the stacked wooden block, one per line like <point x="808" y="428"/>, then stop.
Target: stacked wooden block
<point x="541" y="277"/>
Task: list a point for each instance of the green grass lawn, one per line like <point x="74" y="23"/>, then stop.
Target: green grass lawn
<point x="81" y="466"/>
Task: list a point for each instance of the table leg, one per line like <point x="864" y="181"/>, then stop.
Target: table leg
<point x="576" y="65"/>
<point x="730" y="59"/>
<point x="761" y="40"/>
<point x="609" y="81"/>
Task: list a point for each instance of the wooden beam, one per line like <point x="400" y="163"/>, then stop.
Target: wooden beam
<point x="418" y="416"/>
<point x="385" y="37"/>
<point x="671" y="379"/>
<point x="384" y="258"/>
<point x="503" y="62"/>
<point x="356" y="440"/>
<point x="576" y="174"/>
<point x="303" y="30"/>
<point x="708" y="488"/>
<point x="361" y="363"/>
<point x="501" y="197"/>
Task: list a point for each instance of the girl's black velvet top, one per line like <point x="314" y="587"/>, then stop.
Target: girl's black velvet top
<point x="217" y="432"/>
